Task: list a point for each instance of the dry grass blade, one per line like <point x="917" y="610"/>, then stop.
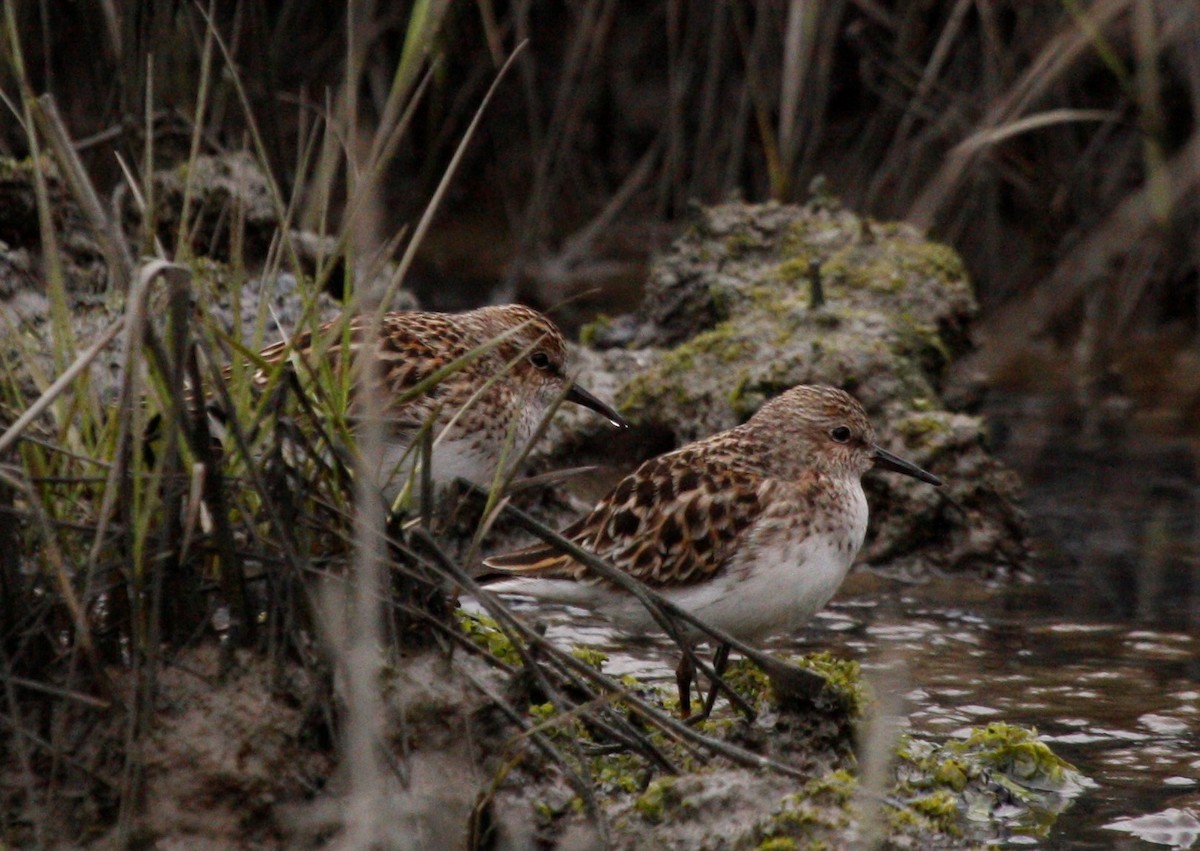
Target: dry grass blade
<point x="613" y="725"/>
<point x="549" y="478"/>
<point x="673" y="727"/>
<point x="64" y="380"/>
<point x="800" y="41"/>
<point x="426" y="220"/>
<point x="512" y="628"/>
<point x="539" y="739"/>
<point x="789" y="680"/>
<point x="112" y="242"/>
<point x="992" y="136"/>
<point x="1092" y="258"/>
<point x="281" y="209"/>
<point x="1052" y="62"/>
<point x="135" y="331"/>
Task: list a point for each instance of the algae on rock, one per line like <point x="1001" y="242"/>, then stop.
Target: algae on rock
<point x="728" y="322"/>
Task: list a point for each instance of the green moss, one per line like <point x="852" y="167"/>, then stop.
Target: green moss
<point x="838" y="785"/>
<point x="748" y="680"/>
<point x="843" y="680"/>
<point x="21" y="169"/>
<point x="740" y="244"/>
<point x="796" y="237"/>
<point x="726" y="342"/>
<point x="822" y="803"/>
<point x="747" y="395"/>
<point x="843" y="270"/>
<point x="721" y="300"/>
<point x="953" y="773"/>
<point x="715" y="348"/>
<point x="918" y="428"/>
<point x="743" y="406"/>
<point x="618" y="773"/>
<point x="764" y="296"/>
<point x="718" y="726"/>
<point x="1018" y="753"/>
<point x="942" y="260"/>
<point x="796" y="270"/>
<point x="646" y="390"/>
<point x="888" y="262"/>
<point x="659" y="797"/>
<point x="1000" y="764"/>
<point x="921" y="341"/>
<point x="778" y="843"/>
<point x="940" y="809"/>
<point x="936" y="812"/>
<point x="763" y="347"/>
<point x="588" y="333"/>
<point x="543" y="812"/>
<point x="590" y="656"/>
<point x="486" y="633"/>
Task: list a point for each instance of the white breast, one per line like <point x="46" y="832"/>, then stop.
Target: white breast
<point x="451" y="460"/>
<point x="467" y="453"/>
<point x="775" y="584"/>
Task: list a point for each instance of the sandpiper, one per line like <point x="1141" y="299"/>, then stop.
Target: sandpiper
<point x="517" y="375"/>
<point x="751" y="530"/>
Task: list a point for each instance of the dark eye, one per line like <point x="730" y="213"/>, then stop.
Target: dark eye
<point x="541" y="360"/>
<point x="841" y="434"/>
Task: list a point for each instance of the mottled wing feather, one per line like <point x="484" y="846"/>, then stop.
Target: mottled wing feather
<point x="409" y="351"/>
<point x="673" y="522"/>
<point x="538" y="559"/>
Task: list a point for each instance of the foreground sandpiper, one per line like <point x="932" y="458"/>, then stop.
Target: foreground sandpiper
<point x="751" y="530"/>
<point x="509" y="386"/>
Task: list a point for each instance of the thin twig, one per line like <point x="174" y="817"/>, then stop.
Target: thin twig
<point x="785" y="676"/>
<point x="112" y="241"/>
<point x="60" y="384"/>
<point x="677" y="729"/>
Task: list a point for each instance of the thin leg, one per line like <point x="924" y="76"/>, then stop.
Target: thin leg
<point x="683" y="679"/>
<point x="720" y="660"/>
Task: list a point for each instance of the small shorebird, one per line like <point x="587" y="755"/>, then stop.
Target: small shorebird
<point x="508" y="386"/>
<point x="751" y="530"/>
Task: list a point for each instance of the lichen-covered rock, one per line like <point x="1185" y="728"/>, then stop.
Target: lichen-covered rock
<point x="998" y="774"/>
<point x="230" y="206"/>
<point x="78" y="254"/>
<point x="228" y="194"/>
<point x="729" y="321"/>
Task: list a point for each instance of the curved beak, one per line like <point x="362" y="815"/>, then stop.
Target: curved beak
<point x="582" y="397"/>
<point x="888" y="461"/>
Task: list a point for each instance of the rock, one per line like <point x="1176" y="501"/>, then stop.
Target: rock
<point x="728" y="322"/>
<point x="256" y="306"/>
<point x="230" y="206"/>
<point x="79" y="255"/>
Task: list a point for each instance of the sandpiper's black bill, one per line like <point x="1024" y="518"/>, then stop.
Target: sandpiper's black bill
<point x="888" y="461"/>
<point x="581" y="397"/>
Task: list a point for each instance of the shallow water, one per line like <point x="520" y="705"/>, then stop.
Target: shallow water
<point x="1120" y="701"/>
<point x="1101" y="653"/>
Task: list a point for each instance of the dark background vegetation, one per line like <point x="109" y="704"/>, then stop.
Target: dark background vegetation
<point x="1053" y="144"/>
<point x="1021" y="133"/>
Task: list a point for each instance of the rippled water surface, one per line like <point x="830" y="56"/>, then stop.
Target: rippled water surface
<point x="1121" y="702"/>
